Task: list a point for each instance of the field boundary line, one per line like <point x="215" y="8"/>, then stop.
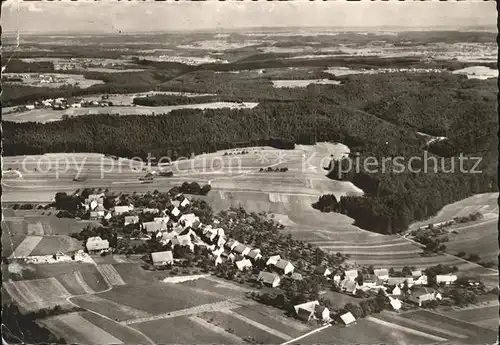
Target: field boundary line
<point x="257" y="324"/>
<point x="307" y="334"/>
<point x="216" y="329"/>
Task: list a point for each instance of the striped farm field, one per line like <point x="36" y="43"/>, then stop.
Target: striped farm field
<point x="110" y="274"/>
<point x="486" y="317"/>
<point x="108" y="308"/>
<point x="37" y="293"/>
<point x="134" y="274"/>
<point x="75" y="283"/>
<point x="76" y="329"/>
<point x="27" y="246"/>
<point x="51" y="244"/>
<point x="182" y="330"/>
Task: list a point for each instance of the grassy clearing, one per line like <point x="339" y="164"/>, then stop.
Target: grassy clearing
<point x="475" y="315"/>
<point x="51" y="244"/>
<point x="214" y="287"/>
<point x="158" y="298"/>
<point x="180" y="330"/>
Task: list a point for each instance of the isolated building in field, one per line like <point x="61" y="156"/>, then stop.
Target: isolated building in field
<point x="323" y="271"/>
<point x="165" y="258"/>
<point x="347" y="318"/>
<point x="447" y="279"/>
<point x="285" y="266"/>
<point x="96" y="245"/>
<point x="273" y="260"/>
<point x="131" y="220"/>
<point x="270" y="279"/>
<point x="244" y="264"/>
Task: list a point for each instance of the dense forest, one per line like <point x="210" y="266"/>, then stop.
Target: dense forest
<point x="375" y="115"/>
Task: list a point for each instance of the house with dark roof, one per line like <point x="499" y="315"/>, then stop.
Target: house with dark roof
<point x="270" y="279"/>
<point x="323" y="271"/>
<point x="254" y="254"/>
<point x="284" y="266"/>
<point x="96" y="245"/>
<point x="241" y="249"/>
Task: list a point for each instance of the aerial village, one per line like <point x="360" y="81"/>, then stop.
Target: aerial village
<point x="180" y="230"/>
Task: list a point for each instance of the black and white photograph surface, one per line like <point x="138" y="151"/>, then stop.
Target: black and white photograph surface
<point x="249" y="172"/>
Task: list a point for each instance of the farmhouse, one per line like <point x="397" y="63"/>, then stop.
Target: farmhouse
<point x="396" y="291"/>
<point x="447" y="279"/>
<point x="182" y="240"/>
<point x="305" y="311"/>
<point x="151" y="227"/>
<point x="164" y="219"/>
<point x="296" y="276"/>
<point x="151" y="210"/>
<point x="284" y="266"/>
<point x="96" y="245"/>
<point x="122" y="209"/>
<point x="184" y="203"/>
<point x="422" y="295"/>
<point x="241" y="249"/>
<point x="270" y="279"/>
<point x="381" y="273"/>
<point x="322" y="270"/>
<point x="347" y="318"/>
<point x="162" y="258"/>
<point x="255" y="254"/>
<point x="351" y="274"/>
<point x="422" y="280"/>
<point x="131" y="220"/>
<point x="349" y="285"/>
<point x="400" y="280"/>
<point x="273" y="260"/>
<point x="243" y="264"/>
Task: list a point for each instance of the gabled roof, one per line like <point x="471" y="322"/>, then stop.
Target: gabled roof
<point x="381" y="272"/>
<point x="281" y="264"/>
<point x="165" y="257"/>
<point x="421" y="290"/>
<point x="169" y="235"/>
<point x="164" y="219"/>
<point x="241" y="248"/>
<point x="273" y="260"/>
<point x="131" y="219"/>
<point x="122" y="209"/>
<point x="254" y="253"/>
<point x="175" y="212"/>
<point x="243" y="264"/>
<point x="348" y="284"/>
<point x="347" y="318"/>
<point x="399" y="280"/>
<point x="96" y="243"/>
<point x="322" y="270"/>
<point x="416" y="274"/>
<point x="351" y="273"/>
<point x="446" y="278"/>
<point x="268" y="277"/>
<point x="153" y="226"/>
<point x="150" y="210"/>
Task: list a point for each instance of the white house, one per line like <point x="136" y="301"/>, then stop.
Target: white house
<point x="285" y="266"/>
<point x="218" y="260"/>
<point x="347" y="318"/>
<point x="381" y="273"/>
<point x="268" y="278"/>
<point x="243" y="264"/>
<point x="255" y="254"/>
<point x="273" y="260"/>
<point x="447" y="279"/>
<point x="305" y="311"/>
<point x="421" y="295"/>
<point x="351" y="274"/>
<point x="151" y="227"/>
<point x="395" y="303"/>
<point x="241" y="249"/>
<point x="150" y="210"/>
<point x="188" y="220"/>
<point x="422" y="280"/>
<point x="164" y="219"/>
<point x="123" y="209"/>
<point x="322" y="270"/>
<point x="96" y="245"/>
<point x="396" y="291"/>
<point x="162" y="258"/>
<point x="131" y="220"/>
<point x="184" y="203"/>
<point x="175" y="212"/>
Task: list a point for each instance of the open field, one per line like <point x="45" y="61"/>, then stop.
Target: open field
<point x="181" y="330"/>
<point x="76" y="329"/>
<point x="241" y="328"/>
<point x="52" y="244"/>
<point x="125" y="334"/>
<point x="37" y="293"/>
<point x="110" y="274"/>
<point x="475" y="333"/>
<point x="486" y="317"/>
<point x="366" y="331"/>
<point x="48" y="115"/>
<point x="111" y="309"/>
<point x="158" y="298"/>
<point x="56" y="79"/>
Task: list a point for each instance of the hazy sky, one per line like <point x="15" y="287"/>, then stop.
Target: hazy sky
<point x="112" y="16"/>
